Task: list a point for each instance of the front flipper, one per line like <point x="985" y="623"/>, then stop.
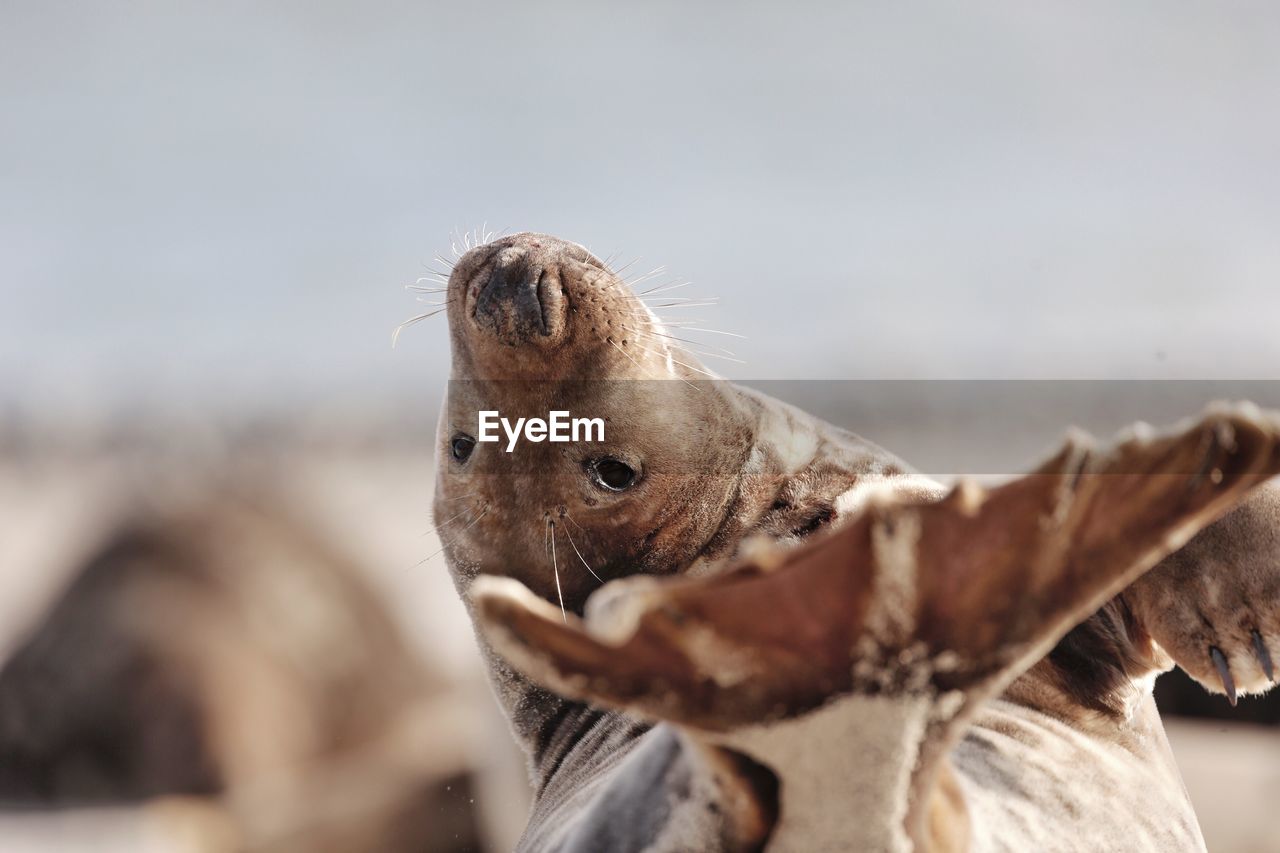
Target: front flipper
<point x="1214" y="605"/>
<point x="847" y="667"/>
<point x="957" y="594"/>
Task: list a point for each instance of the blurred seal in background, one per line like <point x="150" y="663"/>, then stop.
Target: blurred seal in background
<point x="216" y="660"/>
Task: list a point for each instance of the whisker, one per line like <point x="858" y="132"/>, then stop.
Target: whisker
<point x="457" y="236"/>
<point x="682" y="300"/>
<point x="703" y="303"/>
<point x="628" y="265"/>
<point x="662" y="288"/>
<point x="685" y="340"/>
<point x="444" y="545"/>
<point x="706" y="354"/>
<point x="631" y="282"/>
<point x="611" y="343"/>
<point x="579" y="553"/>
<point x="701" y="353"/>
<point x="732" y="334"/>
<point x="436" y="527"/>
<point x="617" y="276"/>
<point x="411" y="321"/>
<point x="395" y="336"/>
<point x="696" y="369"/>
<point x="656" y="294"/>
<point x="653" y="273"/>
<point x="683" y="324"/>
<point x="555" y="568"/>
<point x="656" y="327"/>
<point x="457" y="497"/>
<point x="692" y="347"/>
<point x="679" y="325"/>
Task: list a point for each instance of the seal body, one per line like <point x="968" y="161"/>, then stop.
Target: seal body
<point x="719" y="474"/>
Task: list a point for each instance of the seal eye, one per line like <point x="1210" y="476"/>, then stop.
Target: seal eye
<point x="612" y="474"/>
<point x="461" y="446"/>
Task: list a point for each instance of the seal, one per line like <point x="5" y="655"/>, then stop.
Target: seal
<point x="850" y="667"/>
<point x="201" y="664"/>
<point x="697" y="475"/>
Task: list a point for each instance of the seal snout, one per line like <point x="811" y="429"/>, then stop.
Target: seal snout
<point x="533" y="306"/>
<point x="522" y="300"/>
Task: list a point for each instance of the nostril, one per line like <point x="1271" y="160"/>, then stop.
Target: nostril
<point x="510" y="297"/>
<point x="521" y="297"/>
<point x="510" y="270"/>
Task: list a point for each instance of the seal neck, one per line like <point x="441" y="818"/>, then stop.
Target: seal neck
<point x="565" y="741"/>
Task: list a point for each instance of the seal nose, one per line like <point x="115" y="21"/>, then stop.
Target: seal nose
<point x="510" y="301"/>
<point x="514" y="300"/>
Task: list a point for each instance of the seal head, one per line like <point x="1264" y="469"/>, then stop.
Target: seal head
<point x="537" y="325"/>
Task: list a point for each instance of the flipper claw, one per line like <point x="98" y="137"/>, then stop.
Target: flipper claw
<point x="1264" y="655"/>
<point x="1224" y="672"/>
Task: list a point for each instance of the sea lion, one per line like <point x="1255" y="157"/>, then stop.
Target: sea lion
<point x="693" y="475"/>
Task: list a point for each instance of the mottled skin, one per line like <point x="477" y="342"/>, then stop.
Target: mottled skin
<point x="537" y="323"/>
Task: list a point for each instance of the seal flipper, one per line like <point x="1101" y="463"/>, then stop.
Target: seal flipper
<point x="958" y="594"/>
<point x="1213" y="607"/>
<point x="886" y="634"/>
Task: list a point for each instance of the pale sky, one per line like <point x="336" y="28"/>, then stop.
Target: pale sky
<point x="222" y="201"/>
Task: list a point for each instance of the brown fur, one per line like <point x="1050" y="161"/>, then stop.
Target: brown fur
<point x="1215" y="592"/>
<point x="725" y="470"/>
<point x="996" y="579"/>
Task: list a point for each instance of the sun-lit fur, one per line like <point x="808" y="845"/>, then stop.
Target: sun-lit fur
<point x="1221" y="591"/>
<point x="725" y="469"/>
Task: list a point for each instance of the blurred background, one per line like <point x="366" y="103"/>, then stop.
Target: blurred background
<point x="207" y="215"/>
